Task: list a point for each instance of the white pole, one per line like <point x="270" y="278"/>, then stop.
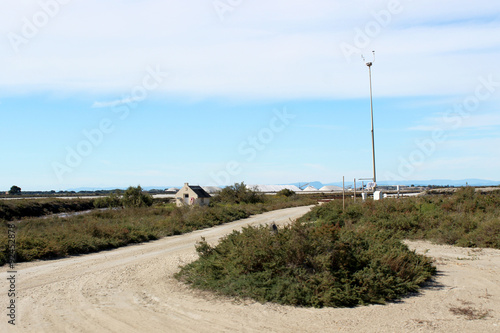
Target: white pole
<point x="343" y="193"/>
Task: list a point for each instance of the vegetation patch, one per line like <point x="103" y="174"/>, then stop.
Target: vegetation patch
<point x="346" y="257"/>
<point x="139" y="221"/>
<point x="17" y="209"/>
<point x="467" y="218"/>
<point x="308" y="265"/>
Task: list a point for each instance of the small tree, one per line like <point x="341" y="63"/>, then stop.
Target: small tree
<point x="15" y="190"/>
<point x="133" y="197"/>
<point x="239" y="193"/>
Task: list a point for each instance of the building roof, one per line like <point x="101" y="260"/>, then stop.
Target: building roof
<point x="200" y="192"/>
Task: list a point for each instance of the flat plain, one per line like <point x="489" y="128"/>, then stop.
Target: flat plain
<point x="132" y="289"/>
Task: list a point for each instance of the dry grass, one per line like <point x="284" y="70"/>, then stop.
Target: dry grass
<point x="468" y="311"/>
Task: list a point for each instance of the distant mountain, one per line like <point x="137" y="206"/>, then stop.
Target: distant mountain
<point x="303" y="185"/>
<point x="435" y="182"/>
<point x="93" y="189"/>
<point x="444" y="182"/>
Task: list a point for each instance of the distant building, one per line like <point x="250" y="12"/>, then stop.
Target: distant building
<point x="310" y="189"/>
<point x="190" y="195"/>
<point x="212" y="189"/>
<point x="172" y="190"/>
<point x="273" y="188"/>
<point x="330" y="188"/>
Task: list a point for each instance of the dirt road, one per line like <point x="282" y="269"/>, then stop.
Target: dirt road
<point x="132" y="289"/>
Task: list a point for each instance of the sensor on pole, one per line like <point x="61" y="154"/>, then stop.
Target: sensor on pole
<point x="369" y="64"/>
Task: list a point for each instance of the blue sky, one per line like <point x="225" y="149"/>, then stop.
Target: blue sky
<point x="118" y="93"/>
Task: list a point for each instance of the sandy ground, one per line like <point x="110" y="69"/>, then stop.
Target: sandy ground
<point x="132" y="289"/>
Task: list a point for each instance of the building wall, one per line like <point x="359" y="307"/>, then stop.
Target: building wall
<point x="192" y="198"/>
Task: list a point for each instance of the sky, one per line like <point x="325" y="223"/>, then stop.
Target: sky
<point x="122" y="93"/>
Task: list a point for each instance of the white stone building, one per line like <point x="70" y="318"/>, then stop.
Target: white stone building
<point x="190" y="195"/>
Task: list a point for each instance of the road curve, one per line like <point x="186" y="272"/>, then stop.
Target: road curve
<point x="132" y="289"/>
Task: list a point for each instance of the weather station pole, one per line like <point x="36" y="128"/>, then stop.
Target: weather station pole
<point x="369" y="64"/>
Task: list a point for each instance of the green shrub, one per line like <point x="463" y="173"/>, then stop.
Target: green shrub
<point x="308" y="265"/>
<point x="285" y="193"/>
<point x="238" y="193"/>
<point x="111" y="201"/>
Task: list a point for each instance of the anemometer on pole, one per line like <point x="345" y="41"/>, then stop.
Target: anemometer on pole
<point x="369" y="64"/>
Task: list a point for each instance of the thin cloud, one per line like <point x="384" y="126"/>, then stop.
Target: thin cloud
<point x="327" y="127"/>
<point x="478" y="122"/>
<point x="115" y="103"/>
<point x="424" y="128"/>
<point x="295" y="54"/>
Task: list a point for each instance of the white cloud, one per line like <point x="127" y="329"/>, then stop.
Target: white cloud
<point x="278" y="49"/>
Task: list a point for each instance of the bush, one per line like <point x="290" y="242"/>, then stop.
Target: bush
<point x="111" y="201"/>
<point x="285" y="193"/>
<point x="238" y="193"/>
<point x="308" y="265"/>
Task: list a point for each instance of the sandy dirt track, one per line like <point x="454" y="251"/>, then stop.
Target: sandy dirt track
<point x="132" y="289"/>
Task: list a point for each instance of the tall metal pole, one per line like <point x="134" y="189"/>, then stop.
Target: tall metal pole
<point x="369" y="64"/>
<point x="373" y="131"/>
